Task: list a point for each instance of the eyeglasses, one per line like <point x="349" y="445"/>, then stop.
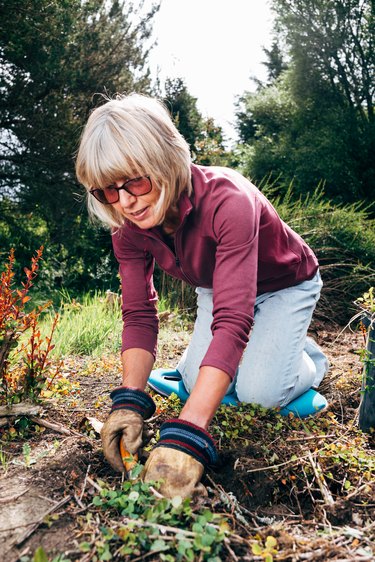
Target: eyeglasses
<point x="111" y="194"/>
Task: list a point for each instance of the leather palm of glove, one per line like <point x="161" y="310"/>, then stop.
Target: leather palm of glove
<point x="129" y="408"/>
<point x="179" y="459"/>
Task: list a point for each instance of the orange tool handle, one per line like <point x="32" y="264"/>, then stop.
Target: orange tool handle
<point x="129" y="460"/>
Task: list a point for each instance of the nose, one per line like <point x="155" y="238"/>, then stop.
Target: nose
<point x="125" y="198"/>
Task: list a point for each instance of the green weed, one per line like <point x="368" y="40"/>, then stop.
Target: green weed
<point x="266" y="549"/>
<point x="4" y="461"/>
<point x="40" y="555"/>
<point x="137" y="522"/>
<point x="367" y="301"/>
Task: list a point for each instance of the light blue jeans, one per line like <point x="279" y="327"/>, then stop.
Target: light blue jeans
<point x="280" y="362"/>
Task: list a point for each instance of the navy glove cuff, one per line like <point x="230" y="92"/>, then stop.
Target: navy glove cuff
<point x="125" y="398"/>
<point x="190" y="439"/>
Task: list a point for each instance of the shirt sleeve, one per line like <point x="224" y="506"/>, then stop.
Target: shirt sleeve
<point x="139" y="297"/>
<point x="236" y="225"/>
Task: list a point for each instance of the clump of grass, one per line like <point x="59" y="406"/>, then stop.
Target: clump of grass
<point x="90" y="327"/>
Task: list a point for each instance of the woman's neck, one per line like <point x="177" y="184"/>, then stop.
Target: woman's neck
<point x="171" y="222"/>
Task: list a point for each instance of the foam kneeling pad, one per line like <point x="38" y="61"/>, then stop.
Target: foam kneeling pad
<point x="166" y="382"/>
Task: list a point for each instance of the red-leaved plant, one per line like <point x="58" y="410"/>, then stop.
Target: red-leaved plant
<point x="26" y="377"/>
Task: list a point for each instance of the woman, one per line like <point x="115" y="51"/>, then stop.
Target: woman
<point x="257" y="284"/>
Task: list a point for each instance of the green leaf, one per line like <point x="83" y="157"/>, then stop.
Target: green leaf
<point x="271" y="542"/>
<point x="256" y="549"/>
<point x="159" y="544"/>
<point x="133" y="496"/>
<point x="85" y="547"/>
<point x="106" y="555"/>
<point x="176" y="501"/>
<point x="207" y="539"/>
<point x="40" y="555"/>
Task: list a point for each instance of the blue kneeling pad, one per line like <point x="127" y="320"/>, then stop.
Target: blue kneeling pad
<point x="166" y="382"/>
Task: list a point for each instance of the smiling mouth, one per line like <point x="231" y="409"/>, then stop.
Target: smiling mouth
<point x="139" y="213"/>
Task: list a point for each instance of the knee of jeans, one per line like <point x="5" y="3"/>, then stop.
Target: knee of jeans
<point x="258" y="394"/>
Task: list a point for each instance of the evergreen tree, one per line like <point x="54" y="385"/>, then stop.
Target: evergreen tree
<point x="54" y="56"/>
<point x="205" y="138"/>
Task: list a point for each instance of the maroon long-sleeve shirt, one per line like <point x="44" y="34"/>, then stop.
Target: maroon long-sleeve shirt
<point x="231" y="239"/>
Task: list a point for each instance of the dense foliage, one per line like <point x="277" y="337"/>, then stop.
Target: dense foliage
<point x="55" y="56"/>
<point x="314" y="119"/>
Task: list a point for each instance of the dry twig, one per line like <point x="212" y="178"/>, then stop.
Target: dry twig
<point x="326" y="494"/>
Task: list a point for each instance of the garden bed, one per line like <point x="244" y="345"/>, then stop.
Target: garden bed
<point x="285" y="489"/>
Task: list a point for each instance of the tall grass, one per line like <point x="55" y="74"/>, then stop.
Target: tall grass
<point x="90" y="326"/>
<point x="343" y="238"/>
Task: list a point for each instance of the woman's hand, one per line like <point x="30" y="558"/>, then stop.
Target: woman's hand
<point x="185" y="448"/>
<point x="179" y="459"/>
<point x="129" y="408"/>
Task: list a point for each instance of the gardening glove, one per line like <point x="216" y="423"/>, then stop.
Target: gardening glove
<point x="129" y="408"/>
<point x="179" y="459"/>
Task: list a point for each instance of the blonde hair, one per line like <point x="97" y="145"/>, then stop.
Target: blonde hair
<point x="132" y="136"/>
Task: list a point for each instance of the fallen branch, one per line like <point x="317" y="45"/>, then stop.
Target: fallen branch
<point x="310" y="437"/>
<point x="55" y="507"/>
<point x="21" y="409"/>
<point x="58" y="427"/>
<point x="35" y="524"/>
<point x="232" y="554"/>
<point x="93" y="484"/>
<point x="85" y="482"/>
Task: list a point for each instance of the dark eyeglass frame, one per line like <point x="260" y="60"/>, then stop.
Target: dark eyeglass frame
<point x="99" y="193"/>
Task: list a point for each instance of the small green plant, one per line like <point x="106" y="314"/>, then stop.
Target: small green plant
<point x="26" y="450"/>
<point x="142" y="521"/>
<point x="40" y="555"/>
<point x="239" y="425"/>
<point x="4" y="461"/>
<point x="367" y="301"/>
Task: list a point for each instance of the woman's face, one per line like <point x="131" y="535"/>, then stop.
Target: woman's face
<point x="138" y="209"/>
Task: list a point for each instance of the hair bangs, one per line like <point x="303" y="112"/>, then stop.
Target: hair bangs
<point x="111" y="161"/>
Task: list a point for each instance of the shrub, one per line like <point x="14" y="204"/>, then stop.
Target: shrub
<point x="23" y="366"/>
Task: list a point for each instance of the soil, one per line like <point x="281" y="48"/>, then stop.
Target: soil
<point x="46" y="493"/>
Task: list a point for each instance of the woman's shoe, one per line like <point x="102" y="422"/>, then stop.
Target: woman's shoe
<point x="309" y="403"/>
